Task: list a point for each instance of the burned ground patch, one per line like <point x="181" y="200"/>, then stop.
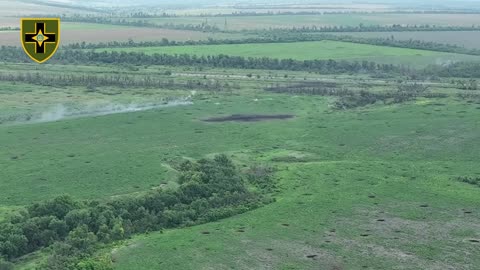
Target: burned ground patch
<point x="249" y="117"/>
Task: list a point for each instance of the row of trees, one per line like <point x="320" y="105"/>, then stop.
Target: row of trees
<point x="120" y="80"/>
<point x="375" y="28"/>
<point x="471" y="84"/>
<point x="8" y="28"/>
<point x="210" y="189"/>
<point x="296" y="36"/>
<point x="204" y="26"/>
<point x="351" y="99"/>
<point x="282" y="36"/>
<point x="459" y="69"/>
<point x="14" y="54"/>
<point x="473" y="97"/>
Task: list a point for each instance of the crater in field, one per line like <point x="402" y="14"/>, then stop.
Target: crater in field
<point x="249" y="117"/>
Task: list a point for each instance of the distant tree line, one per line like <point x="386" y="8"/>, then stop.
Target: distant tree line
<point x="8" y="28"/>
<point x="121" y="80"/>
<point x="471" y="97"/>
<point x="139" y="19"/>
<point x="72" y="56"/>
<point x="292" y="36"/>
<point x="210" y="189"/>
<point x="374" y="28"/>
<point x="205" y="27"/>
<point x="281" y="36"/>
<point x="471" y="84"/>
<point x="145" y="14"/>
<point x="459" y="69"/>
<point x="75" y="56"/>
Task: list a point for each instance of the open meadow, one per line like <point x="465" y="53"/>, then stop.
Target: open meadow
<point x="236" y="153"/>
<point x="376" y="181"/>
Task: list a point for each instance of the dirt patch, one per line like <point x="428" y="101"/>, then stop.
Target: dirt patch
<point x="249" y="117"/>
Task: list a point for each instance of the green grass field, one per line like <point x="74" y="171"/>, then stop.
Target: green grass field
<point x="314" y="50"/>
<point x="465" y="39"/>
<point x="373" y="187"/>
<point x="367" y="176"/>
<point x="356" y="200"/>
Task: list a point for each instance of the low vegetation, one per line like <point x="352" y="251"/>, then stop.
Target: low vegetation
<point x="209" y="190"/>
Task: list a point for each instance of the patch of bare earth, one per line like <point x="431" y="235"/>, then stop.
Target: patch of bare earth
<point x="249" y="117"/>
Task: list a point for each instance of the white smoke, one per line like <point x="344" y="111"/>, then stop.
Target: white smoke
<point x="62" y="111"/>
<point x="444" y="62"/>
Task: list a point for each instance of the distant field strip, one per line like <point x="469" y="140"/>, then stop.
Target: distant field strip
<point x="288" y="21"/>
<point x="314" y="50"/>
<point x="467" y="39"/>
<point x="95" y="33"/>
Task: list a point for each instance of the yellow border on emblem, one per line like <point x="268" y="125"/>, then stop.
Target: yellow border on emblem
<point x="40" y="19"/>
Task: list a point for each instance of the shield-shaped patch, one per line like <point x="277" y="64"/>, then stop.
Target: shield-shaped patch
<point x="40" y="37"/>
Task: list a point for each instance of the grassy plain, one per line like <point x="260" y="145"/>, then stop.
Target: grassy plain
<point x="372" y="187"/>
<point x="314" y="50"/>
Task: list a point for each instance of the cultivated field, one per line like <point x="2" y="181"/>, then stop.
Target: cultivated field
<point x="315" y="50"/>
<point x="277" y="8"/>
<point x="95" y="33"/>
<point x="465" y="39"/>
<point x="289" y="21"/>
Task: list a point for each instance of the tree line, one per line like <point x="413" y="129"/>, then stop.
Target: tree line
<point x="459" y="69"/>
<point x="375" y="28"/>
<point x="8" y="28"/>
<point x="121" y="80"/>
<point x="349" y="99"/>
<point x="282" y="36"/>
<point x="210" y="189"/>
<point x="75" y="56"/>
<point x="293" y="36"/>
<point x="71" y="56"/>
<point x="204" y="26"/>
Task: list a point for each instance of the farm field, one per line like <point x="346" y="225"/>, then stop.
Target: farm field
<point x="465" y="39"/>
<point x="95" y="33"/>
<point x="289" y="21"/>
<point x="31" y="7"/>
<point x="277" y="8"/>
<point x="314" y="50"/>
